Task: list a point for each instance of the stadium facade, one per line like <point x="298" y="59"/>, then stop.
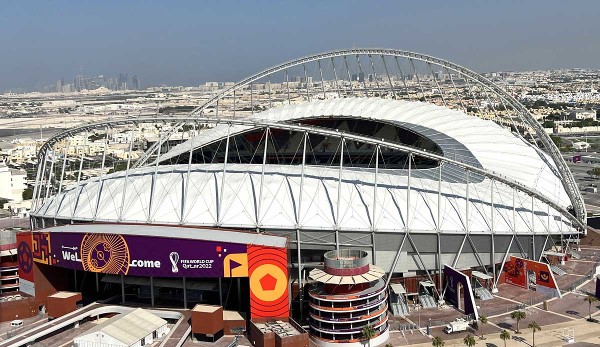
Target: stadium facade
<point x="419" y="168"/>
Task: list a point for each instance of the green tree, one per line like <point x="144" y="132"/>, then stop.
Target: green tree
<point x="27" y="194"/>
<point x="594" y="172"/>
<point x="437" y="342"/>
<point x="368" y="333"/>
<point x="484" y="321"/>
<point x="469" y="341"/>
<point x="534" y="327"/>
<point x="557" y="140"/>
<point x="518" y="315"/>
<point x="504" y="335"/>
<point x="590" y="299"/>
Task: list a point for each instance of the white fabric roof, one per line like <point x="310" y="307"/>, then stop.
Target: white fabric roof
<point x="481" y="142"/>
<point x="128" y="328"/>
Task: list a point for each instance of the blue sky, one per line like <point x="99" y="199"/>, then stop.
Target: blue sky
<point x="189" y="42"/>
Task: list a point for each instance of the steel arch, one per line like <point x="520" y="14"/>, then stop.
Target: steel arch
<point x="567" y="178"/>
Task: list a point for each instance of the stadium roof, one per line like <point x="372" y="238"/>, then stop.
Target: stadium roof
<point x="238" y="203"/>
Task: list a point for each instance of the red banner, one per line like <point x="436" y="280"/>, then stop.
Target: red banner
<point x="25" y="257"/>
<point x="516" y="270"/>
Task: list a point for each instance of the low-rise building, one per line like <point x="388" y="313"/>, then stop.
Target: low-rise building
<point x="134" y="329"/>
<point x="581" y="114"/>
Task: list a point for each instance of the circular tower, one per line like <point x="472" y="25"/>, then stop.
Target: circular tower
<point x="350" y="294"/>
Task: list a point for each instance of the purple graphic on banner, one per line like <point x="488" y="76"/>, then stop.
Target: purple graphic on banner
<point x="147" y="256"/>
<point x="454" y="291"/>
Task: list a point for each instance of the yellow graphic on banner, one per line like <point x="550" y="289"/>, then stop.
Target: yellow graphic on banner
<point x="268" y="282"/>
<point x="235" y="265"/>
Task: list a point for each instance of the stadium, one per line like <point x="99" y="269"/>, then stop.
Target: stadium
<point x="417" y="161"/>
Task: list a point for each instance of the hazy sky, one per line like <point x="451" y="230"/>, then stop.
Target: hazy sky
<point x="189" y="42"/>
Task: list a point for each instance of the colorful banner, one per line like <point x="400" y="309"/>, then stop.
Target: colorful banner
<point x="137" y="255"/>
<point x="141" y="255"/>
<point x="515" y="273"/>
<point x="453" y="278"/>
<point x="25" y="259"/>
<point x="268" y="282"/>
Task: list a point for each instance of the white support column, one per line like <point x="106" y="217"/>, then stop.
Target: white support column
<point x="64" y="165"/>
<point x="374" y="210"/>
<point x="153" y="185"/>
<point x="300" y="284"/>
<point x="468" y="202"/>
<point x="219" y="207"/>
<point x="493" y="233"/>
<point x="299" y="210"/>
<point x="439" y="226"/>
<point x="339" y="193"/>
<point x="127" y="178"/>
<point x="50" y="173"/>
<point x="262" y="179"/>
<point x="504" y="260"/>
<point x="533" y="255"/>
<point x="408" y="193"/>
<point x="82" y="158"/>
<point x="395" y="262"/>
<point x="37" y="187"/>
<point x="187" y="179"/>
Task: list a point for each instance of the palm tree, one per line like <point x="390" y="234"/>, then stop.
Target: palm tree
<point x="469" y="341"/>
<point x="518" y="315"/>
<point x="483" y="320"/>
<point x="534" y="327"/>
<point x="368" y="333"/>
<point x="504" y="335"/>
<point x="590" y="299"/>
<point x="437" y="342"/>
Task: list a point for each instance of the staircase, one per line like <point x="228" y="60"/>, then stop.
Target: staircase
<point x="557" y="270"/>
<point x="399" y="308"/>
<point x="483" y="293"/>
<point x="427" y="301"/>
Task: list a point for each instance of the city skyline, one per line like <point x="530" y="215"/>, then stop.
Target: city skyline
<point x="189" y="43"/>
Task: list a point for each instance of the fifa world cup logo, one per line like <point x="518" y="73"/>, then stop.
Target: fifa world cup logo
<point x="174" y="257"/>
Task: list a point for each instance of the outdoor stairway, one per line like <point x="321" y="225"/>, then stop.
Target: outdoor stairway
<point x="427" y="301"/>
<point x="399" y="309"/>
<point x="483" y="293"/>
<point x="557" y="270"/>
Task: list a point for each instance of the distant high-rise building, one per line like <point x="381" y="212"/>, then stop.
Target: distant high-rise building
<point x="135" y="82"/>
<point x="79" y="83"/>
<point x="59" y="85"/>
<point x="123" y="79"/>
